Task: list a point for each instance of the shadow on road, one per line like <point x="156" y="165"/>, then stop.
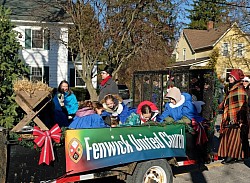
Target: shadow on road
<point x="247" y="162"/>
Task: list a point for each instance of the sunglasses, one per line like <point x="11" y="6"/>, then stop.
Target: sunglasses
<point x="245" y="81"/>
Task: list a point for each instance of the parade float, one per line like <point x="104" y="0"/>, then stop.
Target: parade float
<point x="34" y="152"/>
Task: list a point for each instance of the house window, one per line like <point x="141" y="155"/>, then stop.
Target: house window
<point x="239" y="50"/>
<point x="225" y="50"/>
<point x="37" y="38"/>
<point x="79" y="81"/>
<point x="184" y="54"/>
<point x="36" y="74"/>
<point x="39" y="74"/>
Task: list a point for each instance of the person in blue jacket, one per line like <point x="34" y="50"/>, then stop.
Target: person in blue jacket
<point x="88" y="116"/>
<point x="114" y="107"/>
<point x="179" y="108"/>
<point x="65" y="104"/>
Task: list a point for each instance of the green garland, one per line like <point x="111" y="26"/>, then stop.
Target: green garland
<point x="18" y="138"/>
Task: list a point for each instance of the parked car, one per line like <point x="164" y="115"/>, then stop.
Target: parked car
<point x="123" y="91"/>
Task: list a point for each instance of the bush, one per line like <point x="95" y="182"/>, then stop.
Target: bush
<point x="81" y="93"/>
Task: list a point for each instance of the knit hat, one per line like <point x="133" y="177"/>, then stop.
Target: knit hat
<point x="246" y="79"/>
<point x="237" y="74"/>
<point x="108" y="69"/>
<point x="175" y="94"/>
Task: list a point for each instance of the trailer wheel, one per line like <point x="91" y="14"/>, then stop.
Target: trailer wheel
<point x="157" y="171"/>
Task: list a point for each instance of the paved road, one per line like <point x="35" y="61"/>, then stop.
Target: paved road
<point x="215" y="173"/>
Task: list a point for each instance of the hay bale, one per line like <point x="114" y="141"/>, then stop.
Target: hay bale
<point x="30" y="86"/>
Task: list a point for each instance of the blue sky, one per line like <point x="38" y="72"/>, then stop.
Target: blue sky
<point x="182" y="15"/>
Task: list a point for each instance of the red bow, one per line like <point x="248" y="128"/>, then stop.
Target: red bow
<point x="44" y="140"/>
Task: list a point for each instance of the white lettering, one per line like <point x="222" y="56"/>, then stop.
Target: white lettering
<point x="88" y="148"/>
<point x="95" y="151"/>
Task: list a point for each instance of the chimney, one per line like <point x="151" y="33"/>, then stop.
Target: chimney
<point x="210" y="25"/>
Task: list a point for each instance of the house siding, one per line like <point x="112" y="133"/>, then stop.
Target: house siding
<point x="233" y="37"/>
<point x="56" y="58"/>
<point x="179" y="50"/>
<point x="203" y="54"/>
<point x="189" y="54"/>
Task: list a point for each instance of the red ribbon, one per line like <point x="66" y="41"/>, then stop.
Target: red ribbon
<point x="44" y="140"/>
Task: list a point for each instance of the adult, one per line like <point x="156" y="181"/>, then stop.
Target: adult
<point x="234" y="125"/>
<point x="156" y="93"/>
<point x="246" y="83"/>
<point x="115" y="108"/>
<point x="146" y="90"/>
<point x="170" y="82"/>
<point x="107" y="85"/>
<point x="195" y="88"/>
<point x="88" y="116"/>
<point x="65" y="103"/>
<point x="179" y="108"/>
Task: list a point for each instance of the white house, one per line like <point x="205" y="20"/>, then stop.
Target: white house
<point x="42" y="28"/>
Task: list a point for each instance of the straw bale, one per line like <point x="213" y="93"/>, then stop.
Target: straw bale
<point x="30" y="86"/>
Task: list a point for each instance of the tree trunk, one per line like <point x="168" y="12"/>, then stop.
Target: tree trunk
<point x="92" y="91"/>
<point x="3" y="159"/>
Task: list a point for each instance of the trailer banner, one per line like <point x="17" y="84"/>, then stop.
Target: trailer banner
<point x="90" y="149"/>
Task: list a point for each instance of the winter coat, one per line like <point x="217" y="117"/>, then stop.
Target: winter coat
<point x="235" y="105"/>
<point x="87" y="118"/>
<point x="61" y="113"/>
<point x="234" y="142"/>
<point x="122" y="111"/>
<point x="185" y="107"/>
<point x="110" y="87"/>
<point x="70" y="103"/>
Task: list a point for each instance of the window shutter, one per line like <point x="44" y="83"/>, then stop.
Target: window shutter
<point x="229" y="49"/>
<point x="46" y="74"/>
<point x="46" y="39"/>
<point x="72" y="78"/>
<point x="243" y="50"/>
<point x="28" y="38"/>
<point x="30" y="73"/>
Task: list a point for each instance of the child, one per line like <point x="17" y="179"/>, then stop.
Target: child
<point x="114" y="106"/>
<point x="88" y="116"/>
<point x="146" y="111"/>
<point x="179" y="108"/>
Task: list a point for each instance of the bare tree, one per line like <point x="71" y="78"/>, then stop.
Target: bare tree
<point x="112" y="32"/>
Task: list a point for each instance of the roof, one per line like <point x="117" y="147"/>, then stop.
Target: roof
<point x="189" y="63"/>
<point x="36" y="10"/>
<point x="204" y="38"/>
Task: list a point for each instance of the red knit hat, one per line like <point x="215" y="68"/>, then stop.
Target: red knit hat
<point x="237" y="74"/>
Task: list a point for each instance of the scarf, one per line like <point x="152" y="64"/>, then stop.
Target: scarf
<point x="85" y="112"/>
<point x="104" y="81"/>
